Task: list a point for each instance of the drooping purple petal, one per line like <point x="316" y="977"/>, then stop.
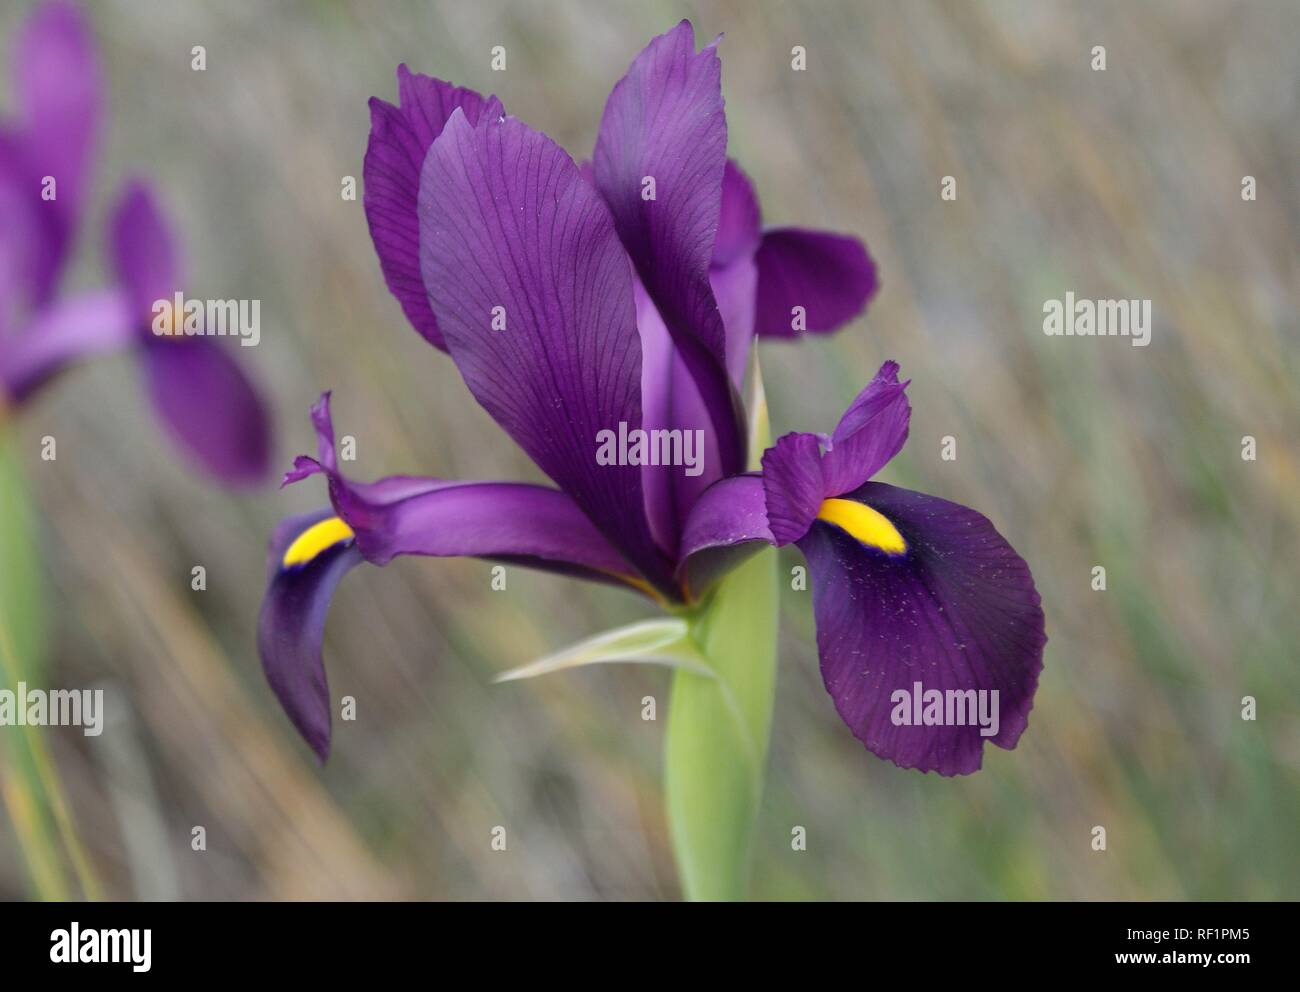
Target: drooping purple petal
<point x="958" y="611"/>
<point x="415" y="515"/>
<point x="399" y="139"/>
<point x="65" y="332"/>
<point x="59" y="98"/>
<point x="726" y="525"/>
<point x="512" y="522"/>
<point x="664" y="124"/>
<point x="143" y="252"/>
<point x="291" y="627"/>
<point x="793" y="485"/>
<point x="830" y="276"/>
<point x="533" y="294"/>
<point x="524" y="522"/>
<point x="207" y="404"/>
<point x="871" y="432"/>
<point x="518" y="523"/>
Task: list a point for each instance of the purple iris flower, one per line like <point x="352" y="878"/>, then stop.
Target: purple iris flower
<point x="572" y="301"/>
<point x="201" y="395"/>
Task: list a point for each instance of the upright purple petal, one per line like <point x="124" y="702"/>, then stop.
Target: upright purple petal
<point x="658" y="361"/>
<point x="871" y="432"/>
<point x="735" y="287"/>
<point x="427" y="104"/>
<point x="32" y="238"/>
<point x="830" y="276"/>
<point x="203" y="398"/>
<point x="143" y="252"/>
<point x="733" y="272"/>
<point x="59" y="97"/>
<point x="664" y="123"/>
<point x="399" y="139"/>
<point x="533" y="294"/>
<point x="740" y="222"/>
<point x="957" y="611"/>
<point x="802" y="470"/>
<point x="207" y="404"/>
<point x="65" y="332"/>
<point x="793" y="485"/>
<point x="670" y="396"/>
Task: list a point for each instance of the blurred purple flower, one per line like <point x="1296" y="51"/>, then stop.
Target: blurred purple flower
<point x="621" y="309"/>
<point x="202" y="397"/>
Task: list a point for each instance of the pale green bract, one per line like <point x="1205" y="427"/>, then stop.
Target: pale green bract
<point x="665" y="641"/>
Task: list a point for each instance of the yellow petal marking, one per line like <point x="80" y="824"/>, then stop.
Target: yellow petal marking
<point x="315" y="539"/>
<point x="862" y="523"/>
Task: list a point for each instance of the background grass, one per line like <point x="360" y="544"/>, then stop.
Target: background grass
<point x="1123" y="183"/>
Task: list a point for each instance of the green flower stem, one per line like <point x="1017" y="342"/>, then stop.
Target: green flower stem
<point x="718" y="730"/>
<point x="723" y="655"/>
<point x="718" y="727"/>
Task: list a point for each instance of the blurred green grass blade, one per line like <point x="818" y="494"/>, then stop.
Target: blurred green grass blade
<point x="31" y="827"/>
<point x="22" y="659"/>
<point x="21" y="577"/>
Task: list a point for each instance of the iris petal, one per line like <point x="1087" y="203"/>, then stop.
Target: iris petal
<point x="871" y="432"/>
<point x="726" y="525"/>
<point x="740" y="221"/>
<point x="734" y="287"/>
<point x="203" y="398"/>
<point x="209" y="406"/>
<point x="534" y="525"/>
<point x="793" y="485"/>
<point x="523" y="524"/>
<point x="143" y="252"/>
<point x="32" y="239"/>
<point x="664" y="123"/>
<point x="533" y="294"/>
<point x="60" y="97"/>
<point x="417" y="515"/>
<point x="399" y="140"/>
<point x="830" y="276"/>
<point x="958" y="611"/>
<point x="291" y="626"/>
<point x="66" y="331"/>
<point x="670" y="396"/>
<point x="658" y="358"/>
